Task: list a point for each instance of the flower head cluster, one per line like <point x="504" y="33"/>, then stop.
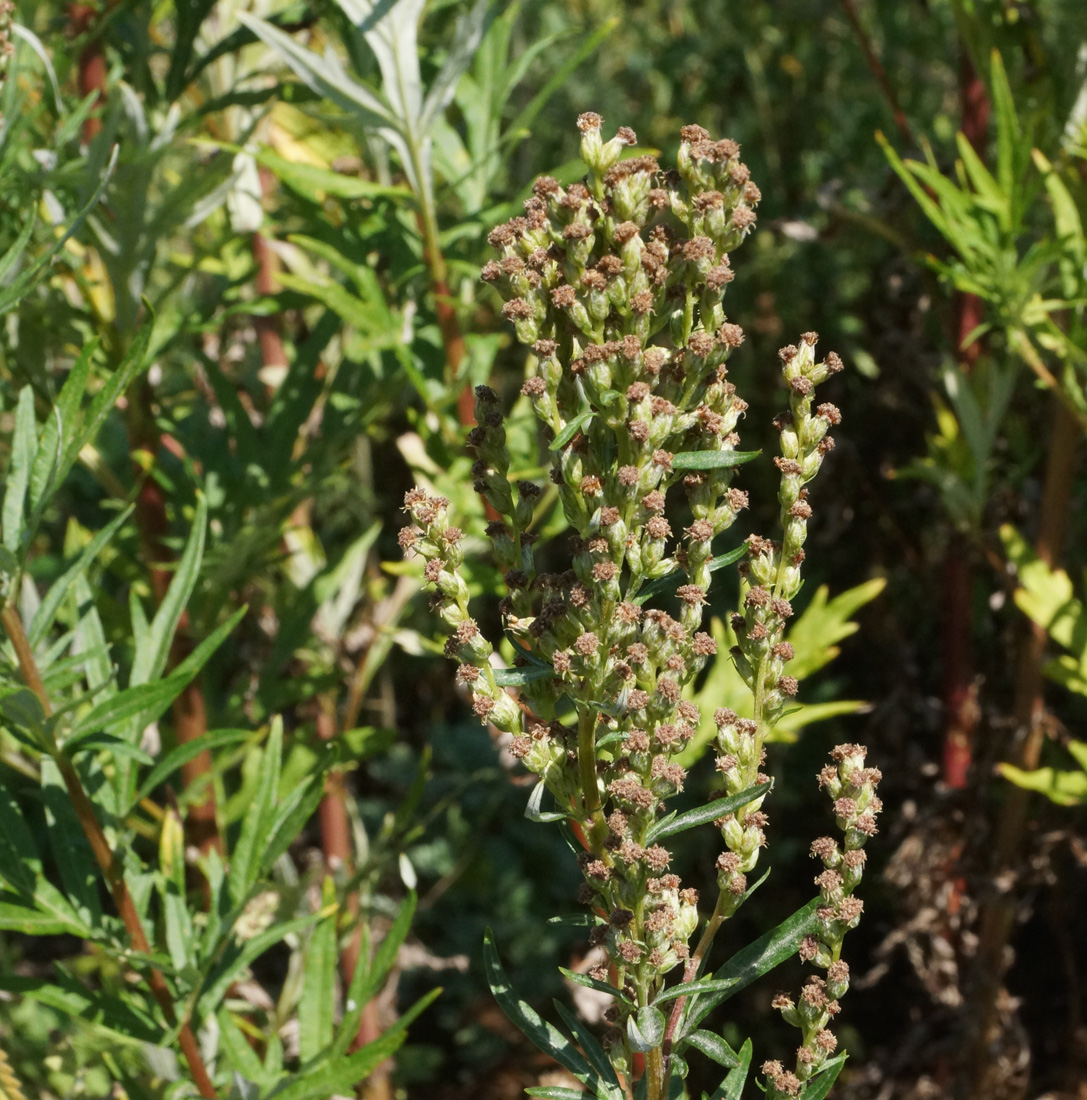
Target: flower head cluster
<point x="852" y="789"/>
<point x="616" y="283"/>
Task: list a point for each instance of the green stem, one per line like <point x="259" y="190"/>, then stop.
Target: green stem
<point x="586" y="759"/>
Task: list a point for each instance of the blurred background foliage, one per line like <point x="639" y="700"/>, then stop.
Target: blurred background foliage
<point x="299" y="241"/>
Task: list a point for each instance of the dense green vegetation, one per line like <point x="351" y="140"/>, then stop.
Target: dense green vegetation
<point x="251" y="832"/>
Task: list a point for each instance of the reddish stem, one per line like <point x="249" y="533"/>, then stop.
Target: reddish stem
<point x="111" y="868"/>
<point x="91" y="66"/>
<point x="960" y="704"/>
<point x="997" y="917"/>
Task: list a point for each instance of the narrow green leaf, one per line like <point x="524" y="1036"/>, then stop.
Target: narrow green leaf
<point x="903" y="171"/>
<point x="47" y="609"/>
<point x="671" y="580"/>
<point x="546" y="1036"/>
<point x="290" y="818"/>
<point x="470" y="29"/>
<point x="238" y="957"/>
<point x="555" y="1092"/>
<point x="151" y="660"/>
<point x="319" y="981"/>
<point x="369" y="321"/>
<point x="310" y="181"/>
<point x="244" y="861"/>
<point x="50" y="901"/>
<point x="178" y="680"/>
<point x="732" y="1087"/>
<point x="712" y="460"/>
<point x="95" y="741"/>
<point x="325" y="75"/>
<point x="61" y="991"/>
<point x="24" y="446"/>
<point x="756" y="959"/>
<point x="135" y="361"/>
<point x="240" y="1055"/>
<point x="592" y="983"/>
<point x="90" y="642"/>
<point x="353" y="1004"/>
<point x="127" y="704"/>
<point x="571" y="429"/>
<point x="11" y="257"/>
<point x="183" y="753"/>
<point x="713" y="1046"/>
<point x="669" y="826"/>
<point x="1008" y="134"/>
<point x="981" y="179"/>
<point x="33" y="922"/>
<point x="178" y="924"/>
<point x="722" y="560"/>
<point x="1065" y="788"/>
<point x="389" y="948"/>
<point x="341" y="1074"/>
<point x="79" y="874"/>
<point x="518" y="677"/>
<point x="592" y="1049"/>
<point x="535" y="799"/>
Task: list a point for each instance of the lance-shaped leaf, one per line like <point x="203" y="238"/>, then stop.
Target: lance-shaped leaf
<point x="700" y="815"/>
<point x="24" y="448"/>
<point x="339" y="1075"/>
<point x="325" y="75"/>
<point x="713" y="1046"/>
<point x="151" y="658"/>
<point x="391" y="31"/>
<point x="469" y="33"/>
<point x="245" y="859"/>
<point x="584" y="979"/>
<point x="318" y="998"/>
<point x="592" y="1050"/>
<point x="712" y="460"/>
<point x="732" y="1087"/>
<point x="544" y="1035"/>
<point x="182" y="754"/>
<point x="753" y="961"/>
<point x="571" y="429"/>
<point x="47" y="609"/>
<point x="518" y="677"/>
<point x="671" y="580"/>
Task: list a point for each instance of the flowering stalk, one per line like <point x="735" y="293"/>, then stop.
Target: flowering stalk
<point x="852" y="788"/>
<point x="616" y="283"/>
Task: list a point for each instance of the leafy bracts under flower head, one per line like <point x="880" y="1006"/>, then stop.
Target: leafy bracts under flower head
<point x="616" y="283"/>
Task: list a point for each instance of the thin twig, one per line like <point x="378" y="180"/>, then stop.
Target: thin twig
<point x="878" y="71"/>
